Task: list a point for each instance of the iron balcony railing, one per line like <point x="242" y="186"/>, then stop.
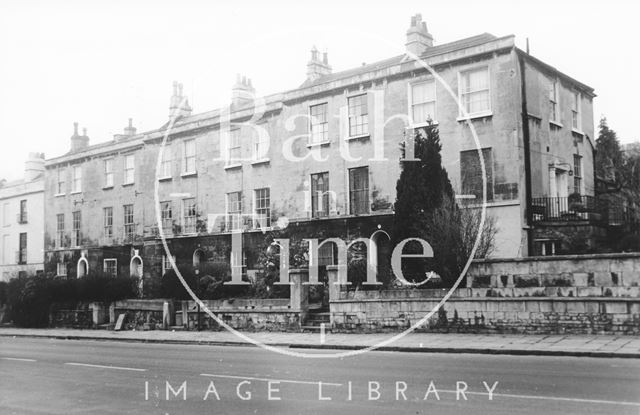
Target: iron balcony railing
<point x="22" y="217"/>
<point x="582" y="208"/>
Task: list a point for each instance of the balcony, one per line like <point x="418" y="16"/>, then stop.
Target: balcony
<point x="130" y="234"/>
<point x="582" y="209"/>
<point x="21" y="218"/>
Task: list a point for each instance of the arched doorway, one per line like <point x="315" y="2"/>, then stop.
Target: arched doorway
<point x="135" y="266"/>
<point x="83" y="267"/>
<point x="198" y="260"/>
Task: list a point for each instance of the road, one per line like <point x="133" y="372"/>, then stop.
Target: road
<point x="49" y="376"/>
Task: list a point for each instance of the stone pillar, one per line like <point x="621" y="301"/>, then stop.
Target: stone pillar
<point x="98" y="313"/>
<point x="334" y="287"/>
<point x="167" y="314"/>
<point x="112" y="313"/>
<point x="185" y="314"/>
<point x="332" y="278"/>
<point x="299" y="300"/>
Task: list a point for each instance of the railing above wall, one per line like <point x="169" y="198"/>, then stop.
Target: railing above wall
<point x="582" y="208"/>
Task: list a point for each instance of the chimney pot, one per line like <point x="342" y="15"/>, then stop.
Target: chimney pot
<point x="418" y="37"/>
<point x="317" y="68"/>
<point x="75" y="128"/>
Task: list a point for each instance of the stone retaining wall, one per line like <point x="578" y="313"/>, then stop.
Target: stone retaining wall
<point x="597" y="270"/>
<point x="464" y="312"/>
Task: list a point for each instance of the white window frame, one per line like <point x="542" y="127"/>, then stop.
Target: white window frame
<point x="324" y="139"/>
<point x="166" y="215"/>
<point x="193" y="218"/>
<point x="76" y="233"/>
<point x="129" y="169"/>
<point x="108" y="173"/>
<point x="231" y="160"/>
<point x="554" y="103"/>
<point x="256" y="222"/>
<point x="76" y="179"/>
<point x="60" y="232"/>
<point x="576" y="112"/>
<point x="410" y="102"/>
<point x="61" y="182"/>
<point x="365" y="96"/>
<point x="115" y="266"/>
<point x="129" y="227"/>
<point x="230" y="222"/>
<point x="61" y="269"/>
<point x="166" y="165"/>
<point x="188" y="158"/>
<point x="105" y="226"/>
<point x="260" y="147"/>
<point x="166" y="263"/>
<point x="477" y="114"/>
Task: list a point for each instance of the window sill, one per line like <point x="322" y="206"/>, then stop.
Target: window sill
<point x="320" y="144"/>
<point x="260" y="161"/>
<point x="107" y="187"/>
<point x="59" y="194"/>
<point x="575" y="131"/>
<point x="189" y="174"/>
<point x="357" y="137"/>
<point x="127" y="184"/>
<point x="423" y="124"/>
<point x="165" y="178"/>
<point x="233" y="166"/>
<point x="555" y="124"/>
<point x="469" y="117"/>
<point x="77" y="192"/>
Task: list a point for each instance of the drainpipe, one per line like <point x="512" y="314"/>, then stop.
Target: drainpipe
<point x="527" y="154"/>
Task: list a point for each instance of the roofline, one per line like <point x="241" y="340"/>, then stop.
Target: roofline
<point x="582" y="86"/>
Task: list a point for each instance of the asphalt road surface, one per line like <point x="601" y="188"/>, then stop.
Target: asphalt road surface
<point x="39" y="376"/>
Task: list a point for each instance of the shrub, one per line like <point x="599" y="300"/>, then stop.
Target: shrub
<point x="30" y="298"/>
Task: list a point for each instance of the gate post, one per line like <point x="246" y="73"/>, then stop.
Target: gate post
<point x="299" y="298"/>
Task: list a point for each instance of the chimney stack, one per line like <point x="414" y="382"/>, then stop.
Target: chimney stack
<point x="418" y="37"/>
<point x="317" y="68"/>
<point x="79" y="142"/>
<point x="243" y="93"/>
<point x="34" y="166"/>
<point x="179" y="104"/>
<point x="130" y="130"/>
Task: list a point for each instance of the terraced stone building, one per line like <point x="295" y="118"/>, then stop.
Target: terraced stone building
<point x="322" y="160"/>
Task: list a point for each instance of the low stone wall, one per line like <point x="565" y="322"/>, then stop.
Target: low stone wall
<point x="465" y="312"/>
<point x="141" y="314"/>
<point x="241" y="314"/>
<point x="598" y="270"/>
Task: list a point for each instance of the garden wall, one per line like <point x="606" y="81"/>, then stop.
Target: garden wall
<point x="597" y="270"/>
<point x="241" y="314"/>
<point x="469" y="310"/>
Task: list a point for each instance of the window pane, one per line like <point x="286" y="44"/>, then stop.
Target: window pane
<point x="471" y="173"/>
<point x="359" y="190"/>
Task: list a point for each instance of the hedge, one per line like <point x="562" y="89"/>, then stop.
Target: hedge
<point x="29" y="299"/>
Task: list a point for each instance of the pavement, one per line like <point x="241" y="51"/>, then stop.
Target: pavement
<point x="536" y="345"/>
<point x="53" y="376"/>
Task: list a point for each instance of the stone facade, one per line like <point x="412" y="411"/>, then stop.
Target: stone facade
<point x="205" y="158"/>
<point x="22" y="222"/>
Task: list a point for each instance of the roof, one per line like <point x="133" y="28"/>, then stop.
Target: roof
<point x="432" y="51"/>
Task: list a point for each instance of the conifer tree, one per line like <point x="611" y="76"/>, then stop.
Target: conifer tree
<point x="424" y="199"/>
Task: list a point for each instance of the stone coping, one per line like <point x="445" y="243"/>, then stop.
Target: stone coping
<point x="498" y="299"/>
<point x="618" y="255"/>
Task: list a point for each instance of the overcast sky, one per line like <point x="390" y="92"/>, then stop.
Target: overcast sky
<point x="100" y="63"/>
